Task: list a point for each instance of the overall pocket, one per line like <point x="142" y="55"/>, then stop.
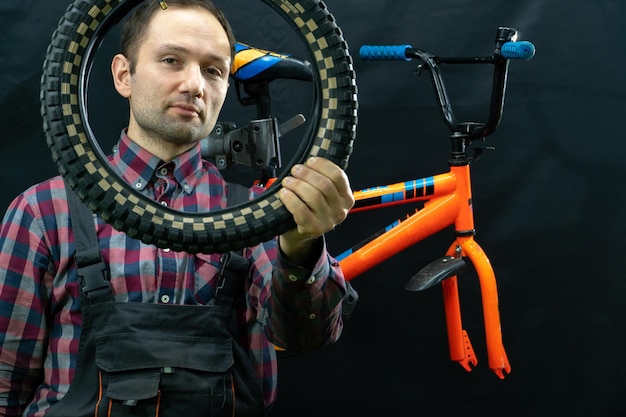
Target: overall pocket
<point x="143" y="374"/>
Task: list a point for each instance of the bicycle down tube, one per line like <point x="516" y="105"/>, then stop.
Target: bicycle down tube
<point x="447" y="199"/>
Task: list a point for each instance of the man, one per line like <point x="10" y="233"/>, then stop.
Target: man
<point x="173" y="69"/>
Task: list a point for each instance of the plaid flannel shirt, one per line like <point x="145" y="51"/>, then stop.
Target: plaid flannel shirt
<point x="40" y="316"/>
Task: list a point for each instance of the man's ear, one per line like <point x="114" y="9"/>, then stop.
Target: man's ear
<point x="120" y="69"/>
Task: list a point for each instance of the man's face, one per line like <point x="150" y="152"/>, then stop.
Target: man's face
<point x="180" y="78"/>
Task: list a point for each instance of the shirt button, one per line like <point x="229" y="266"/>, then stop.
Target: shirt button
<point x="312" y="316"/>
<point x="164" y="203"/>
<point x="293" y="278"/>
<point x="166" y="250"/>
<point x="311" y="280"/>
<point x="165" y="298"/>
<point x="163" y="171"/>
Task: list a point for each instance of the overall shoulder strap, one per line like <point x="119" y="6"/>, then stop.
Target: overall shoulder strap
<point x="235" y="266"/>
<point x="92" y="271"/>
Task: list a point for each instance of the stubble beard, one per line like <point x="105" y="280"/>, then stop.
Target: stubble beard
<point x="165" y="128"/>
<point x="177" y="132"/>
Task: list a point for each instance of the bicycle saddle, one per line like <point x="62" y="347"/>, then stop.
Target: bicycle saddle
<point x="253" y="65"/>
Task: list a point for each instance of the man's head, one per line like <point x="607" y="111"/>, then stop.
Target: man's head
<point x="174" y="70"/>
<point x="134" y="29"/>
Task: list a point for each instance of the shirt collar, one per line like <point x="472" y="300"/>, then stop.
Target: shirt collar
<point x="138" y="166"/>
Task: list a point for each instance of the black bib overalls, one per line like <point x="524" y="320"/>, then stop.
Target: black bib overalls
<point x="138" y="359"/>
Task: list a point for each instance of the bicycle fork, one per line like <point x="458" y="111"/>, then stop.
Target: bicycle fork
<point x="465" y="246"/>
<point x="461" y="349"/>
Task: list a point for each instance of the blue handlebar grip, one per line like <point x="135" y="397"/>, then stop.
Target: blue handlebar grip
<point x="384" y="52"/>
<point x="518" y="50"/>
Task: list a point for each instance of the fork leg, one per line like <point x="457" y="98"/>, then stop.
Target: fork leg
<point x="498" y="361"/>
<point x="461" y="349"/>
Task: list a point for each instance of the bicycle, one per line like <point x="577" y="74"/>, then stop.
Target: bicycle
<point x="447" y="197"/>
<point x="447" y="201"/>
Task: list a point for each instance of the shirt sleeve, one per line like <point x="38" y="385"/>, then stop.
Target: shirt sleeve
<point x="304" y="309"/>
<point x="22" y="322"/>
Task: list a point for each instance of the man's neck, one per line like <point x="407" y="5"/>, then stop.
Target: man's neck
<point x="161" y="148"/>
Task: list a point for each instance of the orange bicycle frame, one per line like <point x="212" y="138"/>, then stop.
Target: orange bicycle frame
<point x="448" y="201"/>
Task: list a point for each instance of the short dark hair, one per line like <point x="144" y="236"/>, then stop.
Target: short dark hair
<point x="134" y="29"/>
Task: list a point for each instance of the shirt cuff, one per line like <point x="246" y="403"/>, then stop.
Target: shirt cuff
<point x="298" y="274"/>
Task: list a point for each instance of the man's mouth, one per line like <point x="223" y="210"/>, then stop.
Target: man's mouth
<point x="186" y="109"/>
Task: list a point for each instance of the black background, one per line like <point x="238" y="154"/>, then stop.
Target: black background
<point x="548" y="203"/>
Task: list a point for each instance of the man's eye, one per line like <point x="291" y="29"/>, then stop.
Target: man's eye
<point x="170" y="60"/>
<point x="216" y="72"/>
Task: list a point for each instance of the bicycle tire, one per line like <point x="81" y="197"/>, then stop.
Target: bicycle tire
<point x="81" y="162"/>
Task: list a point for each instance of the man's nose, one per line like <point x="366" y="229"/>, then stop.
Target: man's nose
<point x="193" y="81"/>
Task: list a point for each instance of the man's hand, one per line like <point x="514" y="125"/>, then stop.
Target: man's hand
<point x="318" y="195"/>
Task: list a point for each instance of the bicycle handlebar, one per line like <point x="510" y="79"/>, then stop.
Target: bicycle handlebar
<point x="507" y="48"/>
<point x="510" y="50"/>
